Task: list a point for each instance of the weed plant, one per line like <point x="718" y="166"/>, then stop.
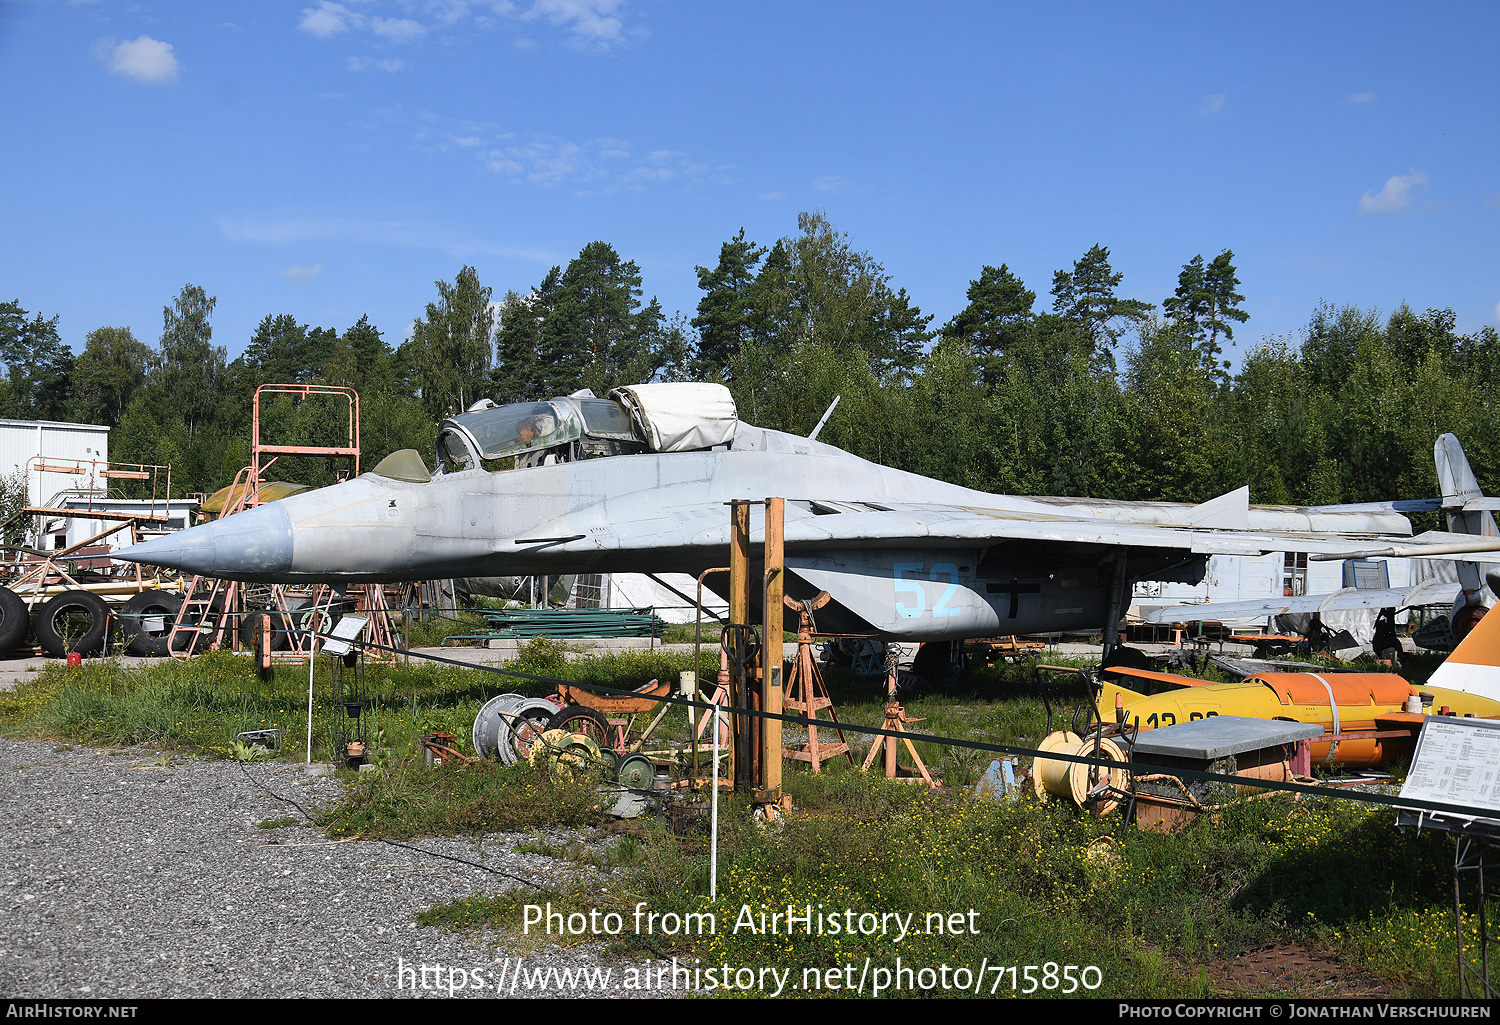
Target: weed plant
<point x="1154" y="916"/>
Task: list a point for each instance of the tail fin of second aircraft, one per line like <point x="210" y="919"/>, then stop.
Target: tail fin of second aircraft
<point x="1460" y="487"/>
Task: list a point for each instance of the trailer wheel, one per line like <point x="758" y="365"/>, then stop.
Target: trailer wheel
<point x="142" y="637"/>
<point x="73" y="621"/>
<point x="15" y="619"/>
<point x="581" y="719"/>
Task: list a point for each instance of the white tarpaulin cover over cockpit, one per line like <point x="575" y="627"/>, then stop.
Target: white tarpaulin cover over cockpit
<point x="681" y="417"/>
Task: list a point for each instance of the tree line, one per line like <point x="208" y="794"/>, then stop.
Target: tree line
<point x="1091" y="393"/>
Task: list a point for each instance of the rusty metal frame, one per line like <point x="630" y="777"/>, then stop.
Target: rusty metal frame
<point x="258" y="448"/>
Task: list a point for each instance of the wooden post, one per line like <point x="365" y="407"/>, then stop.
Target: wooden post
<point x="739" y="612"/>
<point x="771" y="662"/>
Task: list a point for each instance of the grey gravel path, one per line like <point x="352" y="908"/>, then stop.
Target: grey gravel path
<point x="124" y="879"/>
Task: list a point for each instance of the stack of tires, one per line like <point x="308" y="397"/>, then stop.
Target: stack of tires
<point x="82" y="622"/>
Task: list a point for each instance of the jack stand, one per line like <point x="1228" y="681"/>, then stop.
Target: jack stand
<point x="806" y="692"/>
<point x="895" y="720"/>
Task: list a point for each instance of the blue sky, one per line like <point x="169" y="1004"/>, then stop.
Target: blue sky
<point x="330" y="160"/>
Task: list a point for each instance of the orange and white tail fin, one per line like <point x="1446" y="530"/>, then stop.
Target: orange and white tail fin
<point x="1474" y="666"/>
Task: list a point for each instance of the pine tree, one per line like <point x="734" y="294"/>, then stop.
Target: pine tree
<point x="1086" y="296"/>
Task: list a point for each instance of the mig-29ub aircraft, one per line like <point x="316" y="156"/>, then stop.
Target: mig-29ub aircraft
<point x="1468" y="512"/>
<point x="638" y="481"/>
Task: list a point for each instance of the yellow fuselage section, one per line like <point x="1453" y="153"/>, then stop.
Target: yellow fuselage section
<point x="1342" y="703"/>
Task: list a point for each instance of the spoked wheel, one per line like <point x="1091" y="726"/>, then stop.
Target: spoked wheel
<point x="529" y="720"/>
<point x="565" y="753"/>
<point x="580" y="719"/>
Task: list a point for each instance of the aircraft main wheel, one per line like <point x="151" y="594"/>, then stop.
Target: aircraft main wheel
<point x="580" y="719"/>
<point x="15" y="619"/>
<point x="142" y="636"/>
<point x="73" y="621"/>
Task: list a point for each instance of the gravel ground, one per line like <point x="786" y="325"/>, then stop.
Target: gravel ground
<point x="126" y="879"/>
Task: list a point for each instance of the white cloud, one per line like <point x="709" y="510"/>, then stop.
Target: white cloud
<point x="1211" y="104"/>
<point x="397" y="30"/>
<point x="328" y="19"/>
<point x="604" y="164"/>
<point x="297" y="272"/>
<point x="390" y="65"/>
<point x="145" y="60"/>
<point x="1361" y="98"/>
<point x="772" y="197"/>
<point x="591" y="21"/>
<point x="448" y="12"/>
<point x="1395" y="196"/>
<point x="456" y="241"/>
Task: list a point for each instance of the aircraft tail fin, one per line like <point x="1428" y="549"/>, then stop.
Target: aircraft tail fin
<point x="1474" y="666"/>
<point x="1460" y="487"/>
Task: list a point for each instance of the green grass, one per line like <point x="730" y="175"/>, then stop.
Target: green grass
<point x="201" y="705"/>
<point x="1154" y="920"/>
<point x="431" y="630"/>
<point x="411" y="800"/>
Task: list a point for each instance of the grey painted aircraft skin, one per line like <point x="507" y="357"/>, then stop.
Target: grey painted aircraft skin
<point x="902" y="555"/>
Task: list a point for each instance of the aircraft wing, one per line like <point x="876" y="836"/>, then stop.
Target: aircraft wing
<point x="912" y="524"/>
<point x="1433" y="592"/>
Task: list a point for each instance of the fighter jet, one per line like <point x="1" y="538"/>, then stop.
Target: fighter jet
<point x="637" y="482"/>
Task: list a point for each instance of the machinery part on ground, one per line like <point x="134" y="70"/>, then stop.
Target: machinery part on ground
<point x="74" y="621"/>
<point x="146" y="622"/>
<point x="489" y="725"/>
<point x="1055" y="778"/>
<point x="253" y="622"/>
<point x="637" y="772"/>
<point x="579" y="719"/>
<point x="529" y="720"/>
<point x="609" y="762"/>
<point x="15" y="619"/>
<point x="565" y="753"/>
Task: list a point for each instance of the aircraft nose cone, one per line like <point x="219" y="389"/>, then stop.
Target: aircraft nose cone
<point x="252" y="545"/>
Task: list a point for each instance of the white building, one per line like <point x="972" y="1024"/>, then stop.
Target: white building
<point x="27" y="445"/>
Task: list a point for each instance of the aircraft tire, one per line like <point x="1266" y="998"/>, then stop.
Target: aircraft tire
<point x="138" y="640"/>
<point x="250" y="627"/>
<point x="73" y="621"/>
<point x="15" y="619"/>
<point x="581" y="719"/>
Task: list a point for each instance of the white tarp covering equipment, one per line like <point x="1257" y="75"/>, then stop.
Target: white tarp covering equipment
<point x="681" y="417"/>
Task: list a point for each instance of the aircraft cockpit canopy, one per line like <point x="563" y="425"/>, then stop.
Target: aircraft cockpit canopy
<point x="656" y="418"/>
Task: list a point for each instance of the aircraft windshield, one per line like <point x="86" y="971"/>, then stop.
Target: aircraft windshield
<point x="519" y="427"/>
